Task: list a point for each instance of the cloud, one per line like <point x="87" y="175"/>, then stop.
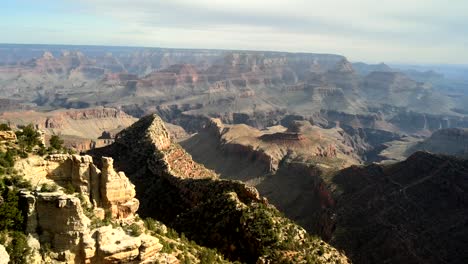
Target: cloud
<point x="370" y="30"/>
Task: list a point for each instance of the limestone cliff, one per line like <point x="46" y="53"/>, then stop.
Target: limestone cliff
<point x="67" y="222"/>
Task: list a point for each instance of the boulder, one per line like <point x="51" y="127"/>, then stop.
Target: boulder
<point x="6" y="136"/>
<point x="115" y="246"/>
<point x="4" y="257"/>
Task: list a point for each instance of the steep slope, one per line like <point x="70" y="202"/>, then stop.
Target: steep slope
<point x="224" y="214"/>
<point x="451" y="141"/>
<point x="414" y="211"/>
<point x="64" y="209"/>
<point x="289" y="166"/>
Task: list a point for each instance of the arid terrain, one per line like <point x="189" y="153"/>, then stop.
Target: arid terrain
<point x="351" y="152"/>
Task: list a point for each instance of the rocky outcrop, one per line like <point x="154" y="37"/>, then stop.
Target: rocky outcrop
<point x="268" y="147"/>
<point x="107" y="189"/>
<point x="4" y="257"/>
<point x="63" y="221"/>
<point x="7" y="136"/>
<point x="117" y="192"/>
<point x="194" y="201"/>
<point x="58" y="217"/>
<point x="115" y="246"/>
<point x="60" y="222"/>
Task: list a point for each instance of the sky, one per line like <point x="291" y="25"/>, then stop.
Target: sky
<point x="392" y="31"/>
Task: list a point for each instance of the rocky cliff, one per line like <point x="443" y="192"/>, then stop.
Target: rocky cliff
<point x="81" y="129"/>
<point x="409" y="212"/>
<point x="262" y="85"/>
<point x="68" y="222"/>
<point x="224" y="214"/>
<point x="299" y="158"/>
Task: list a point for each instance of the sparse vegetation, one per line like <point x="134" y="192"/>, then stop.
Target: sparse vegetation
<point x="5" y="127"/>
<point x="56" y="142"/>
<point x="134" y="230"/>
<point x="69" y="188"/>
<point x="16" y="246"/>
<point x="28" y="137"/>
<point x="46" y="187"/>
<point x="11" y="218"/>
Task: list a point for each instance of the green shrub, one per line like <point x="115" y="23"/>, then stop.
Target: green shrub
<point x="4" y="127"/>
<point x="167" y="248"/>
<point x="134" y="230"/>
<point x="17" y="181"/>
<point x="69" y="189"/>
<point x="28" y="137"/>
<point x="18" y="248"/>
<point x="7" y="159"/>
<point x="156" y="227"/>
<point x="56" y="142"/>
<point x="208" y="256"/>
<point x="11" y="217"/>
<point x="42" y="150"/>
<point x="49" y="187"/>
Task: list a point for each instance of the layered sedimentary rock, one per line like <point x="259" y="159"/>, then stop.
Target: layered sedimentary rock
<point x="117" y="192"/>
<point x="59" y="220"/>
<point x="7" y="136"/>
<point x="81" y="129"/>
<point x="208" y="210"/>
<point x="269" y="147"/>
<point x="107" y="189"/>
<point x="115" y="246"/>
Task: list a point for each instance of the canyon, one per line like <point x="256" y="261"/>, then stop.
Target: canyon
<point x="211" y="142"/>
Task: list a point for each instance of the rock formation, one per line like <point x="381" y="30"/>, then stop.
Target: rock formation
<point x="7" y="136"/>
<point x="4" y="257"/>
<point x="450" y="141"/>
<point x="81" y="129"/>
<point x="208" y="210"/>
<point x="60" y="220"/>
<point x="409" y="212"/>
<point x="106" y="189"/>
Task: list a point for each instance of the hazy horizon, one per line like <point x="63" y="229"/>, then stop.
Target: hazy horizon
<point x="416" y="32"/>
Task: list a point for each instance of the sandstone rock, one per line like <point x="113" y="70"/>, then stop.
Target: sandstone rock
<point x="4" y="257"/>
<point x="115" y="246"/>
<point x="108" y="189"/>
<point x="162" y="258"/>
<point x="6" y="136"/>
<point x="149" y="247"/>
<point x="118" y="193"/>
<point x="89" y="247"/>
<point x="61" y="219"/>
<point x="65" y="227"/>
